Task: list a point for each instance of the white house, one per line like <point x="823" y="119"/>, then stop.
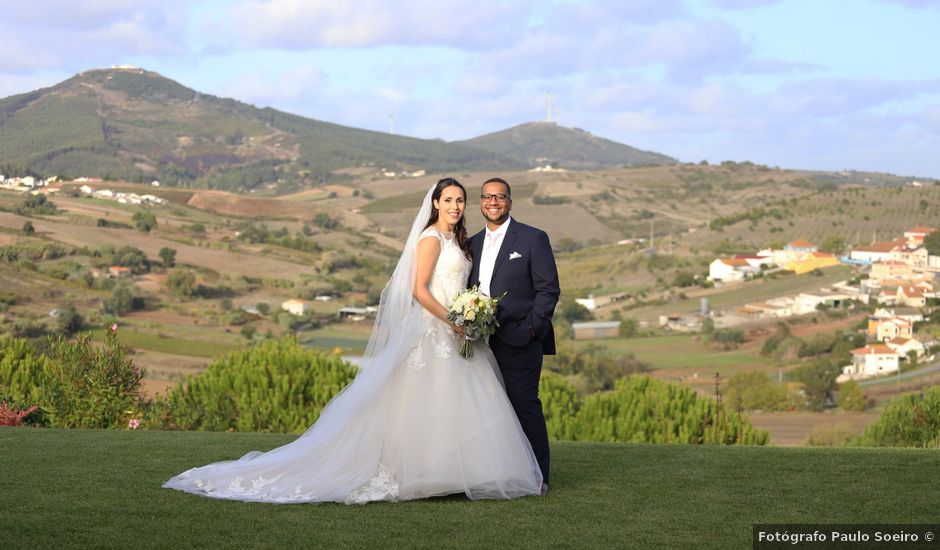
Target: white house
<point x="86" y="189"/>
<point x="916" y="235"/>
<point x="727" y="270"/>
<point x="915" y="256"/>
<point x="892" y="328"/>
<point x="903" y="346"/>
<point x="807" y="302"/>
<point x="766" y="309"/>
<point x="909" y="314"/>
<point x="877" y="252"/>
<point x="912" y="296"/>
<point x="871" y="360"/>
<point x="296" y="306"/>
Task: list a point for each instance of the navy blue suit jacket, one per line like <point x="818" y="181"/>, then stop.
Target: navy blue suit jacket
<point x="525" y="270"/>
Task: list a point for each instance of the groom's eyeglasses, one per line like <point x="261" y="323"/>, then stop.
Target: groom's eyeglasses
<point x="498" y="197"/>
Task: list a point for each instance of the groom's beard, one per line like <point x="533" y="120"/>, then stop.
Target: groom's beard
<point x="499" y="220"/>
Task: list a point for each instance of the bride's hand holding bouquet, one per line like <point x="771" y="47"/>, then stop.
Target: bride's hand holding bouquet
<point x="475" y="313"/>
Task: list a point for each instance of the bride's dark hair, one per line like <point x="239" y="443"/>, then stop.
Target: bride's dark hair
<point x="460" y="230"/>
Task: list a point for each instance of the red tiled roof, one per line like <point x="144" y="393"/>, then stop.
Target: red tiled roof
<point x="912" y="292"/>
<point x="886" y="246"/>
<point x="733" y="261"/>
<point x="801" y="243"/>
<point x="924" y="230"/>
<point x="874" y="349"/>
<point x="899" y="341"/>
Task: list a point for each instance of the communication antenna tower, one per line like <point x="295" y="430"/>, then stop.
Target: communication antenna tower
<point x="391" y="123"/>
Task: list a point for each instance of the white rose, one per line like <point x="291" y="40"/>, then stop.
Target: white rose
<point x="470" y="315"/>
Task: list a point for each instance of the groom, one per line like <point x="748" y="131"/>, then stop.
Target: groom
<point x="516" y="259"/>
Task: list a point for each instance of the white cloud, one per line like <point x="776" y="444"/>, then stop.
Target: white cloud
<point x="74" y="36"/>
<point x="305" y="24"/>
<point x="743" y="4"/>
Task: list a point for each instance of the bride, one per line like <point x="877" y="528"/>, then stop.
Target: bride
<point x="418" y="420"/>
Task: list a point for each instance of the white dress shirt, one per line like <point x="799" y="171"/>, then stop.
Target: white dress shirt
<point x="491" y="243"/>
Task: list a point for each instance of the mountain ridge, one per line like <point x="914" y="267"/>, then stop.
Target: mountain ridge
<point x="130" y="123"/>
<point x="541" y="143"/>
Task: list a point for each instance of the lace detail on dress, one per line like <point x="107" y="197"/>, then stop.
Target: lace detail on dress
<point x="238" y="490"/>
<point x="415" y="362"/>
<point x="441" y="348"/>
<point x="382" y="486"/>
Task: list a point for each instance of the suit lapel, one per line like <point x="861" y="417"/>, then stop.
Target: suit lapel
<point x="476" y="248"/>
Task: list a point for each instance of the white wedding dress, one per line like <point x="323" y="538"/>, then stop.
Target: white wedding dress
<point x="418" y="421"/>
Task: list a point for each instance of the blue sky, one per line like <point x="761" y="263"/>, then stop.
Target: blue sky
<point x="835" y="84"/>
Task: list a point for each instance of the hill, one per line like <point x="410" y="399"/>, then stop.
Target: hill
<point x="539" y="143"/>
<point x="137" y="125"/>
<point x="102" y="489"/>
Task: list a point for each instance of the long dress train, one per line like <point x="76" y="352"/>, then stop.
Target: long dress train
<point x="418" y="421"/>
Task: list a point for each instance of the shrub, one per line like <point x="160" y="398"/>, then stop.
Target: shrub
<point x="560" y="403"/>
<point x="909" y="421"/>
<point x="11" y="415"/>
<point x="276" y="386"/>
<point x="830" y="435"/>
<point x="123" y="299"/>
<point x="755" y="390"/>
<point x="643" y="410"/>
<point x="144" y="221"/>
<point x="68" y="320"/>
<point x="20" y="370"/>
<point x="86" y="386"/>
<point x="628" y="328"/>
<point x="851" y="397"/>
<point x="594" y="365"/>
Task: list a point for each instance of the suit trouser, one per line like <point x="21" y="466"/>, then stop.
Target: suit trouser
<point x="521" y="368"/>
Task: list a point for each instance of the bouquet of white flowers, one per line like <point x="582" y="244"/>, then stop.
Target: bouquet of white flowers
<point x="476" y="313"/>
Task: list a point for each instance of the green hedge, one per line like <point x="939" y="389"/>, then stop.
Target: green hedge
<point x="277" y="386"/>
<point x="641" y="409"/>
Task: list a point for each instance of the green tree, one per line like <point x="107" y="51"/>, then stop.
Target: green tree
<point x="144" y="221"/>
<point x="168" y="255"/>
<point x="755" y="390"/>
<point x="572" y="311"/>
<point x="851" y="397"/>
<point x="684" y="279"/>
<point x="182" y="283"/>
<point x="263" y="308"/>
<point x="324" y="220"/>
<point x="833" y="244"/>
<point x="819" y="382"/>
<point x="131" y="257"/>
<point x="123" y="299"/>
<point x="932" y="242"/>
<point x="68" y="319"/>
<point x="28" y="228"/>
<point x="708" y="326"/>
<point x="628" y="328"/>
<point x="248" y="331"/>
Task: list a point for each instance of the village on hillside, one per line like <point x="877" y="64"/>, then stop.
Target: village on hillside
<point x="896" y="276"/>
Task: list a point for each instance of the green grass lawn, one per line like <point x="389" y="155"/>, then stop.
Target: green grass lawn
<point x="678" y="352"/>
<point x="78" y="488"/>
